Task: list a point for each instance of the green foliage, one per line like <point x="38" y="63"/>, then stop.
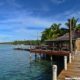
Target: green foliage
<point x="73" y="23"/>
<point x="63" y="31"/>
<point x="53" y="32"/>
<point x="27" y="42"/>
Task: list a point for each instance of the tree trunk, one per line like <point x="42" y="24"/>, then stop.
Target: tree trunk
<point x="70" y="37"/>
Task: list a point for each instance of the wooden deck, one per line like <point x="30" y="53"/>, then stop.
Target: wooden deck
<point x="50" y="52"/>
<point x="73" y="69"/>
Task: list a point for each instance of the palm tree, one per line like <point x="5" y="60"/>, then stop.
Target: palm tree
<point x="73" y="23"/>
<point x="63" y="31"/>
<point x="55" y="29"/>
<point x="46" y="34"/>
<point x="51" y="33"/>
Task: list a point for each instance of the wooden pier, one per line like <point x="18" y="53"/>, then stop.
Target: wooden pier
<point x="50" y="52"/>
<point x="70" y="70"/>
<point x="73" y="70"/>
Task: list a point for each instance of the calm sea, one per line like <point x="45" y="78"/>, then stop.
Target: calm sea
<point x="17" y="65"/>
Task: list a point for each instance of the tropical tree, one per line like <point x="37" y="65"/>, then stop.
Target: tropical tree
<point x="46" y="34"/>
<point x="51" y="33"/>
<point x="55" y="30"/>
<point x="63" y="31"/>
<point x="73" y="22"/>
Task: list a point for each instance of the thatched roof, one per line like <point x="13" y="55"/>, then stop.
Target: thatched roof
<point x="65" y="37"/>
<point x="75" y="35"/>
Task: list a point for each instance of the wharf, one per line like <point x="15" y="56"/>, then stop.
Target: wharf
<point x="50" y="52"/>
<point x="73" y="70"/>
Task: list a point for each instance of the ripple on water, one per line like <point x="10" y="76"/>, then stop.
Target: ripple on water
<point x="15" y="65"/>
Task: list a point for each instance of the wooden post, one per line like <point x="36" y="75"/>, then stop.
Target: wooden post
<point x="69" y="57"/>
<point x="53" y="46"/>
<point x="71" y="46"/>
<point x="70" y="38"/>
<point x="54" y="77"/>
<point x="65" y="62"/>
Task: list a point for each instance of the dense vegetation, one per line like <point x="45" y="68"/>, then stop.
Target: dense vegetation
<point x="55" y="30"/>
<point x="27" y="42"/>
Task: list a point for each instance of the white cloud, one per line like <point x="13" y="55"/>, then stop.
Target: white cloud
<point x="58" y="1"/>
<point x="27" y="21"/>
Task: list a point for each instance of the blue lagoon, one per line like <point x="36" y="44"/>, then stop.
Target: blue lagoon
<point x="17" y="65"/>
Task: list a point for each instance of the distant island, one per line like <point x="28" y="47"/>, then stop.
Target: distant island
<point x="25" y="42"/>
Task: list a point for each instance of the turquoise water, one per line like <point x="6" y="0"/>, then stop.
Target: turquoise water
<point x="17" y="65"/>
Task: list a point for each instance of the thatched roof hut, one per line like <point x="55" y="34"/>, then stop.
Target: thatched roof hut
<point x="75" y="35"/>
<point x="63" y="41"/>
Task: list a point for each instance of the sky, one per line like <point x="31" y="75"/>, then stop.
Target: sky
<point x="26" y="19"/>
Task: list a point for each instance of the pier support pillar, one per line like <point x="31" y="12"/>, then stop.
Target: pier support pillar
<point x="30" y="55"/>
<point x="39" y="56"/>
<point x="65" y="62"/>
<point x="35" y="56"/>
<point x="70" y="58"/>
<point x="51" y="58"/>
<point x="54" y="76"/>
